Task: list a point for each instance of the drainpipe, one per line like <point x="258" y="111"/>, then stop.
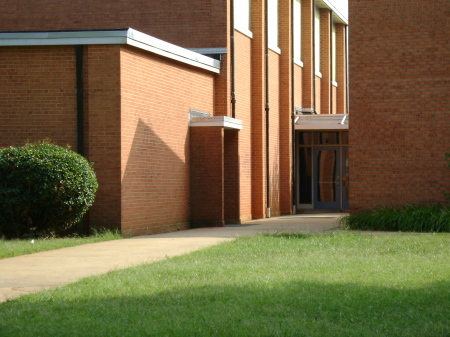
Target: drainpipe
<point x="294" y="178"/>
<point x="346" y="71"/>
<point x="331" y="61"/>
<point x="314" y="52"/>
<point x="80" y="112"/>
<point x="266" y="33"/>
<point x="233" y="62"/>
<point x="80" y="102"/>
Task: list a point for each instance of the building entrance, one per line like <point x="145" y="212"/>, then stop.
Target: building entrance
<point x="322" y="170"/>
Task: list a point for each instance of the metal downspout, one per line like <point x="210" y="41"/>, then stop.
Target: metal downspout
<point x="314" y="52"/>
<point x="331" y="62"/>
<point x="294" y="178"/>
<point x="233" y="62"/>
<point x="347" y="94"/>
<point x="267" y="109"/>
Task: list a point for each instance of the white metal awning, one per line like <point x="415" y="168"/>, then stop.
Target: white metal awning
<point x="322" y="122"/>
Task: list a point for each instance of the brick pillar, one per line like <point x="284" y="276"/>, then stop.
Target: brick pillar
<point x="308" y="53"/>
<point x="286" y="78"/>
<point x="231" y="177"/>
<point x="258" y="112"/>
<point x="325" y="61"/>
<point x="207" y="176"/>
<point x="341" y="70"/>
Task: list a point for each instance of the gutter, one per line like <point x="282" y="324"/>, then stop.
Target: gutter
<point x="233" y="62"/>
<point x="267" y="109"/>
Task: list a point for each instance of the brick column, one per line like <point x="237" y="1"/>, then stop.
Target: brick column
<point x="325" y="61"/>
<point x="207" y="176"/>
<point x="258" y="112"/>
<point x="286" y="78"/>
<point x="341" y="70"/>
<point x="308" y="53"/>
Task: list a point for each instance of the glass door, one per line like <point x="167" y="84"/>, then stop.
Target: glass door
<point x="327" y="177"/>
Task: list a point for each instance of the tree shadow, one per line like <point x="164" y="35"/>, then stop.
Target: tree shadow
<point x="297" y="308"/>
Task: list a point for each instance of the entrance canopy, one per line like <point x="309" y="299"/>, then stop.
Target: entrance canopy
<point x="322" y="122"/>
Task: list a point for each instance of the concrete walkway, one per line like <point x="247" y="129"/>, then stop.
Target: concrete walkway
<point x="35" y="272"/>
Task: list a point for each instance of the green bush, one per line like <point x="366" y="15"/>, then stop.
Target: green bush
<point x="43" y="187"/>
<point x="409" y="218"/>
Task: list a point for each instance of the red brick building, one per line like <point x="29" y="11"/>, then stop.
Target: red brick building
<point x="240" y="115"/>
<point x="399" y="101"/>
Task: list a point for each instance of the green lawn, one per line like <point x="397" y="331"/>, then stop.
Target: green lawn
<point x="339" y="284"/>
<point x="11" y="248"/>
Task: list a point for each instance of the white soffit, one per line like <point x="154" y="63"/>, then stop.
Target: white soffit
<point x="322" y="122"/>
<point x="221" y="121"/>
<point x="339" y="8"/>
<point x="126" y="36"/>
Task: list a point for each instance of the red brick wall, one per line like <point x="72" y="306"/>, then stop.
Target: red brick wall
<point x="207" y="176"/>
<point x="341" y="70"/>
<point x="38" y="100"/>
<point x="274" y="132"/>
<point x="298" y="72"/>
<point x="243" y="112"/>
<point x="38" y="95"/>
<point x="202" y="22"/>
<point x="258" y="113"/>
<point x="285" y="109"/>
<point x="102" y="115"/>
<point x="232" y="181"/>
<point x="325" y="61"/>
<point x="308" y="53"/>
<point x="399" y="102"/>
<point x="157" y="94"/>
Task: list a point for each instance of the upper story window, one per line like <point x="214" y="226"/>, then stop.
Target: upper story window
<point x="242" y="15"/>
<point x="317" y="40"/>
<point x="297" y="27"/>
<point x="273" y="24"/>
<point x="333" y="52"/>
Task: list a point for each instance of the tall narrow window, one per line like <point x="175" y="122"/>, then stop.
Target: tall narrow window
<point x="273" y="23"/>
<point x="333" y="52"/>
<point x="242" y="15"/>
<point x="297" y="26"/>
<point x="317" y="40"/>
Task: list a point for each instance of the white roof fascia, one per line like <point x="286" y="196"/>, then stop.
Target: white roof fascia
<point x="128" y="37"/>
<point x="335" y="8"/>
<point x="221" y="121"/>
<point x="322" y="122"/>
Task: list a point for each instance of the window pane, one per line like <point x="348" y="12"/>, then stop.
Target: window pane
<point x="317" y="38"/>
<point x="273" y="22"/>
<point x="305" y="138"/>
<point x="326" y="168"/>
<point x="297" y="27"/>
<point x="305" y="175"/>
<point x="242" y="14"/>
<point x="345" y="138"/>
<point x="326" y="138"/>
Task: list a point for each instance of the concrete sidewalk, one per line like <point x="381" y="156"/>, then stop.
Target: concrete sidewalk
<point x="35" y="272"/>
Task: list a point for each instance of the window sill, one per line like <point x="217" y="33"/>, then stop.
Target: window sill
<point x="299" y="63"/>
<point x="275" y="49"/>
<point x="244" y="31"/>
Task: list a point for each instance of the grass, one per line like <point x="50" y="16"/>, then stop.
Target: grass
<point x="11" y="248"/>
<point x="340" y="284"/>
<point x="409" y="218"/>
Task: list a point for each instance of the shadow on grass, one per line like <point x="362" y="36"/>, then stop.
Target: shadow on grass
<point x="282" y="309"/>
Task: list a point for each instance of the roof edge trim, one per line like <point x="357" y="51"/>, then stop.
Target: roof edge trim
<point x="125" y="37"/>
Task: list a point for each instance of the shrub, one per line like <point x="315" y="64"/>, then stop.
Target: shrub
<point x="447" y="194"/>
<point x="43" y="187"/>
<point x="409" y="218"/>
